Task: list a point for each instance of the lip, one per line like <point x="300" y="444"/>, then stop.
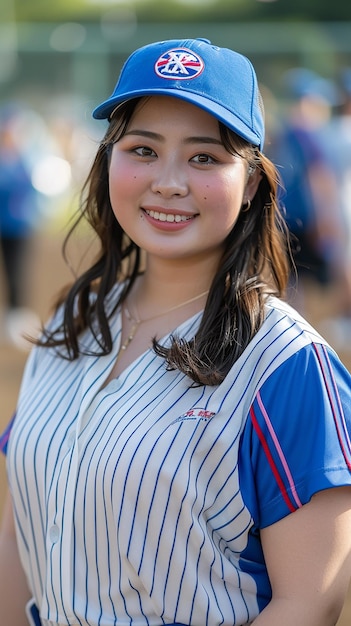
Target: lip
<point x="167" y="219"/>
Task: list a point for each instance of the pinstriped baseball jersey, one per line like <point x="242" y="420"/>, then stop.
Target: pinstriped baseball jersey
<point x="139" y="503"/>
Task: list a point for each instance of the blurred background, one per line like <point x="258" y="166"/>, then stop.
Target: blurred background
<point x="58" y="60"/>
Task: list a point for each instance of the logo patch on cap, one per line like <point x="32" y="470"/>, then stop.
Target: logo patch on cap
<point x="180" y="64"/>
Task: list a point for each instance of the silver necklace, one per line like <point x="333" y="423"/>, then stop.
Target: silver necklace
<point x="136" y="321"/>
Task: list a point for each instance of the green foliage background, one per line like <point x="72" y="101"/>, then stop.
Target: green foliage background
<point x="183" y="10"/>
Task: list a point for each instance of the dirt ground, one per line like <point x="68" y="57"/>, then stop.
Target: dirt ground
<point x="48" y="274"/>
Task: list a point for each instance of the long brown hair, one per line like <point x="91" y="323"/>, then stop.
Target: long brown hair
<point x="254" y="263"/>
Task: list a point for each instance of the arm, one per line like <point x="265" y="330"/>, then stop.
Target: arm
<point x="14" y="592"/>
<point x="308" y="557"/>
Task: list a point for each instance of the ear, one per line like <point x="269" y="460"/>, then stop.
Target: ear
<point x="252" y="184"/>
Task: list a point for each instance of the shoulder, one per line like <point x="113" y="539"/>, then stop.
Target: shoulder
<point x="296" y="440"/>
<point x="40" y="355"/>
<point x="284" y="315"/>
<point x="284" y="332"/>
<point x="311" y="377"/>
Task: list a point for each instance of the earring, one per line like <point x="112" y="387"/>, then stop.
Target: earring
<point x="246" y="207"/>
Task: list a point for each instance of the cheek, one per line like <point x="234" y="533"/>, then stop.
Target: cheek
<point x="225" y="200"/>
<point x="122" y="183"/>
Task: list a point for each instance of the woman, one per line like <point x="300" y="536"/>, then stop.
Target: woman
<point x="181" y="447"/>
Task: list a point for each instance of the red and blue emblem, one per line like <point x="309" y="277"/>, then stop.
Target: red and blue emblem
<point x="180" y="64"/>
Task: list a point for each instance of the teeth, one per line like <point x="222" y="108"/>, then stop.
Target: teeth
<point x="167" y="217"/>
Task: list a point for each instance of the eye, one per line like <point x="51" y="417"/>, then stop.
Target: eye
<point x="203" y="158"/>
<point x="144" y="151"/>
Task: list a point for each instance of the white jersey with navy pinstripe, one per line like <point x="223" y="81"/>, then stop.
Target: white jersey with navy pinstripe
<point x="141" y="503"/>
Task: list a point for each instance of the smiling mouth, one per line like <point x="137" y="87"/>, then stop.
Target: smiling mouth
<point x="168" y="217"/>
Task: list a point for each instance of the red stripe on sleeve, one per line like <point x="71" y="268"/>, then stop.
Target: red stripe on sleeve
<point x="291" y="506"/>
<point x="335" y="405"/>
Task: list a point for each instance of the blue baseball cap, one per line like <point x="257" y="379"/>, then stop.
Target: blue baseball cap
<point x="218" y="80"/>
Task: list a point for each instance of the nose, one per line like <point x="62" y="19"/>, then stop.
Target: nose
<point x="169" y="180"/>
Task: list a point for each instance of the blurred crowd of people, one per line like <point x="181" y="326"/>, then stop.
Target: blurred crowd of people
<point x="311" y="146"/>
<point x="39" y="170"/>
<point x="310" y="142"/>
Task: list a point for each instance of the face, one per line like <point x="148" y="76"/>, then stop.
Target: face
<point x="174" y="188"/>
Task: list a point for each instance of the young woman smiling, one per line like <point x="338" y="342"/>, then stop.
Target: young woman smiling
<point x="180" y="452"/>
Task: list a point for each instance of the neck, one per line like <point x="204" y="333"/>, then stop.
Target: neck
<point x="174" y="282"/>
<point x="137" y="319"/>
<point x="146" y="304"/>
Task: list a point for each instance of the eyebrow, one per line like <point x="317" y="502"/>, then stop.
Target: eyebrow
<point x="189" y="140"/>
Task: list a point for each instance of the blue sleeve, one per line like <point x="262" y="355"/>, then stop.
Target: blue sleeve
<point x="4" y="437"/>
<point x="296" y="441"/>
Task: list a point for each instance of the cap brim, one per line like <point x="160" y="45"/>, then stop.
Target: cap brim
<point x="106" y="108"/>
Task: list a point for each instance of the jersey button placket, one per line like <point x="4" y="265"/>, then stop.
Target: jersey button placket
<point x="54" y="533"/>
